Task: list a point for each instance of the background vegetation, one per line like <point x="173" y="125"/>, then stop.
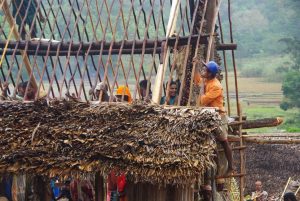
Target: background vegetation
<point x="268" y="56"/>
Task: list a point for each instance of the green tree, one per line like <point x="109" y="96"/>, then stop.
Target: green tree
<point x="291" y="82"/>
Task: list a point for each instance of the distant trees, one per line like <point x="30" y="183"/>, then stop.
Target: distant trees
<point x="291" y="82"/>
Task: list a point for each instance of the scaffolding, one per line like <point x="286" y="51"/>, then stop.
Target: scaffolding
<point x="78" y="44"/>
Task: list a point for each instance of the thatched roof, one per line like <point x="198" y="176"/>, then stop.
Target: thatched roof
<point x="149" y="142"/>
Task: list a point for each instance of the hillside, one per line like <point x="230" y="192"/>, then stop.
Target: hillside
<point x="258" y="25"/>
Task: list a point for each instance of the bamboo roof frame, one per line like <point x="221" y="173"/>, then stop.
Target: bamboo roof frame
<point x="81" y="59"/>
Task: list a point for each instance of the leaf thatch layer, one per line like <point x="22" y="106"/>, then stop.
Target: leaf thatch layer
<point x="150" y="143"/>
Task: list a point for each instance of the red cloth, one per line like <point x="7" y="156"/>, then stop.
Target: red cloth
<point x="121" y="182"/>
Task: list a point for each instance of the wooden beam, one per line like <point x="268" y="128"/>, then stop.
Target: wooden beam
<point x="272" y="141"/>
<point x="137" y="44"/>
<point x="64" y="51"/>
<point x="83" y="52"/>
<point x="229" y="46"/>
<point x="258" y="123"/>
<point x="159" y="79"/>
<point x="277" y="135"/>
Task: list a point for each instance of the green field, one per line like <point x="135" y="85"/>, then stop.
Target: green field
<point x="260" y="98"/>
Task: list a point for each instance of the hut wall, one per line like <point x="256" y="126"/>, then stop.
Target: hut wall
<point x="150" y="192"/>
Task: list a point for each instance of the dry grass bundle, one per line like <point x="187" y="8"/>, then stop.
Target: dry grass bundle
<point x="148" y="142"/>
<point x="273" y="165"/>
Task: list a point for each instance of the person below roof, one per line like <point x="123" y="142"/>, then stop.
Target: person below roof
<point x="259" y="194"/>
<point x="100" y="91"/>
<point x="222" y="192"/>
<point x="22" y="94"/>
<point x="206" y="192"/>
<point x="143" y="90"/>
<point x="171" y="98"/>
<point x="290" y="196"/>
<point x="123" y="94"/>
<point x="212" y="96"/>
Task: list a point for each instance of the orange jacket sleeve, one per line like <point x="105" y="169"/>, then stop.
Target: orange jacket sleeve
<point x="210" y="95"/>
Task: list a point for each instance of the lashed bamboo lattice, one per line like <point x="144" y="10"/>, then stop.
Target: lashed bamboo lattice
<point x="118" y="42"/>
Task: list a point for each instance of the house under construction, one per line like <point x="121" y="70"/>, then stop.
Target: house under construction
<point x="66" y="47"/>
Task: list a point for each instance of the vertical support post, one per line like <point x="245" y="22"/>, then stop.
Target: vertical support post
<point x="159" y="79"/>
<point x="211" y="17"/>
<point x="242" y="156"/>
<point x="15" y="32"/>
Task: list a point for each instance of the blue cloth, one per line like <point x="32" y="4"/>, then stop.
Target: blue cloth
<point x="55" y="190"/>
<point x="171" y="102"/>
<point x="7" y="180"/>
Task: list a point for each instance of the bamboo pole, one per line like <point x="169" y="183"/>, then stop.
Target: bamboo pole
<point x="264" y="140"/>
<point x="285" y="135"/>
<point x="74" y="49"/>
<point x="297" y="191"/>
<point x="272" y="141"/>
<point x="12" y="25"/>
<point x="212" y="31"/>
<point x="159" y="79"/>
<point x="242" y="157"/>
<point x="258" y="123"/>
<point x="285" y="188"/>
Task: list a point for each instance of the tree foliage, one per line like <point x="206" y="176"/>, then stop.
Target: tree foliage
<point x="259" y="25"/>
<point x="291" y="82"/>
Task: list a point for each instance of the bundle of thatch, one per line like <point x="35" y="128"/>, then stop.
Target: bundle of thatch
<point x="148" y="142"/>
<point x="273" y="165"/>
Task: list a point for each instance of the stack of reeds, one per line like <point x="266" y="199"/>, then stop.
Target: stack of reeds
<point x="150" y="143"/>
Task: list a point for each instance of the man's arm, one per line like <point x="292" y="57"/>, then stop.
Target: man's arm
<point x="210" y="95"/>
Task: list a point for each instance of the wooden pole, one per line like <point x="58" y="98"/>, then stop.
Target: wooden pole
<point x="73" y="52"/>
<point x="242" y="158"/>
<point x="212" y="19"/>
<point x="12" y="25"/>
<point x="297" y="191"/>
<point x="287" y="183"/>
<point x="272" y="135"/>
<point x="258" y="123"/>
<point x="44" y="44"/>
<point x="159" y="79"/>
<point x="272" y="141"/>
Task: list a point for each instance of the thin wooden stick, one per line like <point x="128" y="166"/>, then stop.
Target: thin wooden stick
<point x="242" y="157"/>
<point x="297" y="191"/>
<point x="271" y="135"/>
<point x="285" y="188"/>
<point x="162" y="67"/>
<point x="272" y="141"/>
<point x="212" y="31"/>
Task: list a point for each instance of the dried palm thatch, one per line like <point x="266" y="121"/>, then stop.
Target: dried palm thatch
<point x="150" y="143"/>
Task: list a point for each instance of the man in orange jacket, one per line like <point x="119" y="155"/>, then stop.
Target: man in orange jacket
<point x="212" y="96"/>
